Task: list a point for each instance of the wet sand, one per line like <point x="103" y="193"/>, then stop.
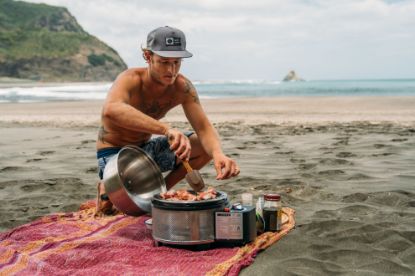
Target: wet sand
<point x="347" y="165"/>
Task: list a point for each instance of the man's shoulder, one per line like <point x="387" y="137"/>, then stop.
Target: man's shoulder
<point x="183" y="83"/>
<point x="132" y="76"/>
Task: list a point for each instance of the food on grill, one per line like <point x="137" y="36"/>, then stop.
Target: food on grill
<point x="179" y="195"/>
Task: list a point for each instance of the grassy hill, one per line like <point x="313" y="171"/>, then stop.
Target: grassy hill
<point x="42" y="42"/>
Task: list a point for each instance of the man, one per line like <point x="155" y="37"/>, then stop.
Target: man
<point x="140" y="97"/>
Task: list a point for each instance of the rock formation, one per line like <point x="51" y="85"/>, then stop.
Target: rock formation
<point x="292" y="76"/>
<point x="45" y="43"/>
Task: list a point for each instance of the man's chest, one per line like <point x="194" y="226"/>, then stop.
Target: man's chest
<point x="155" y="107"/>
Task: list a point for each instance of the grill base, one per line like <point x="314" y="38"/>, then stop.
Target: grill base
<point x="184" y="227"/>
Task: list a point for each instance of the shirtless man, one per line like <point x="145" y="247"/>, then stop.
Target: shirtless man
<point x="140" y="97"/>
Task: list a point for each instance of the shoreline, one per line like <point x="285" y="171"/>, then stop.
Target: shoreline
<point x="278" y="110"/>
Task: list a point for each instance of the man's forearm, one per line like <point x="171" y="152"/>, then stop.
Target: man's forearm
<point x="210" y="141"/>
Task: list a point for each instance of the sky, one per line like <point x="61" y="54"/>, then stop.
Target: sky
<point x="264" y="39"/>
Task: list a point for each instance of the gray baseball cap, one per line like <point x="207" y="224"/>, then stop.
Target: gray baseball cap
<point x="168" y="42"/>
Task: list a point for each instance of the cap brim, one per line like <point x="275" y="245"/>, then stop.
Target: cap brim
<point x="174" y="54"/>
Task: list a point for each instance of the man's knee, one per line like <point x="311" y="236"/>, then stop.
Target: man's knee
<point x="198" y="150"/>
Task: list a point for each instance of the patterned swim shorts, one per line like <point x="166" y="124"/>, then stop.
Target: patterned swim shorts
<point x="157" y="148"/>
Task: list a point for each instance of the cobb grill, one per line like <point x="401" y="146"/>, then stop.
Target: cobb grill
<point x="186" y="222"/>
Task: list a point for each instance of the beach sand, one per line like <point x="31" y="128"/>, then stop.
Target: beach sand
<point x="345" y="164"/>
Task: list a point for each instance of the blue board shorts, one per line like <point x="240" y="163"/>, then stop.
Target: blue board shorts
<point x="157" y="148"/>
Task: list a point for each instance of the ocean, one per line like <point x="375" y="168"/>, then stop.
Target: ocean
<point x="219" y="89"/>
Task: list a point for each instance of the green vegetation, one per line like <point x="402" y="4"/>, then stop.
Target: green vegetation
<point x="43" y="42"/>
<point x="39" y="30"/>
<point x="97" y="60"/>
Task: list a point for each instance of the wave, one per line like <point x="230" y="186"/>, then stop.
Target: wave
<point x="212" y="89"/>
<point x="59" y="92"/>
<point x="224" y="82"/>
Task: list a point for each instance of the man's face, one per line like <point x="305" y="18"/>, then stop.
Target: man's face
<point x="164" y="70"/>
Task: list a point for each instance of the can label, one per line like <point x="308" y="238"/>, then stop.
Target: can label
<point x="272" y="219"/>
<point x="228" y="226"/>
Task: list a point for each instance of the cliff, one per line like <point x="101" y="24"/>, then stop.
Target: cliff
<point x="45" y="43"/>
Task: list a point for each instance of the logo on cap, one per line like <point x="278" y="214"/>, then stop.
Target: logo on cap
<point x="173" y="41"/>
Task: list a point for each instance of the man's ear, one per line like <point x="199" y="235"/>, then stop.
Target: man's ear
<point x="147" y="56"/>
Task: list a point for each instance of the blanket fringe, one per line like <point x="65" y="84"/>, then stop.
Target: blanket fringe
<point x="245" y="255"/>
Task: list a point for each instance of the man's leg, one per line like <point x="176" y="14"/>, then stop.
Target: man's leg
<point x="198" y="159"/>
<point x="103" y="205"/>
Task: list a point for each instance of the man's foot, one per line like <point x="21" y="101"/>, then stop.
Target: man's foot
<point x="104" y="205"/>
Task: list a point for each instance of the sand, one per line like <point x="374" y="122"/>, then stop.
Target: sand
<point x="346" y="164"/>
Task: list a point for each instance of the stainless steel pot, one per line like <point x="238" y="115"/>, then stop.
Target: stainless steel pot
<point x="186" y="222"/>
<point x="131" y="179"/>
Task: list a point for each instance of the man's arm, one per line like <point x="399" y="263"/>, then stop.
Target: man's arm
<point x="225" y="166"/>
<point x="118" y="110"/>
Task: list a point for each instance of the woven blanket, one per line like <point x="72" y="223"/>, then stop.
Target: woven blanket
<point x="79" y="244"/>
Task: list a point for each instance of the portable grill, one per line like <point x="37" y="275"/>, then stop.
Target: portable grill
<point x="201" y="222"/>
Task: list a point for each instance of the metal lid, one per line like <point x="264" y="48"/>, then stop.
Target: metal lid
<point x="272" y="197"/>
<point x="131" y="178"/>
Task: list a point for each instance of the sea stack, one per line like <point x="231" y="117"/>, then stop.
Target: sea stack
<point x="292" y="76"/>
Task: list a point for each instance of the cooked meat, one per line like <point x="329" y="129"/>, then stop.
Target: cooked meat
<point x="172" y="195"/>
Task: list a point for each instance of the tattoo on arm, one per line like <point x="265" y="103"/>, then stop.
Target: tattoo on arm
<point x="101" y="133"/>
<point x="190" y="89"/>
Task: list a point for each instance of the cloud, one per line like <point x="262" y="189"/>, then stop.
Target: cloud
<point x="263" y="39"/>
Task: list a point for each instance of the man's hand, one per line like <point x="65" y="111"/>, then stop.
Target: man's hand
<point x="225" y="167"/>
<point x="179" y="143"/>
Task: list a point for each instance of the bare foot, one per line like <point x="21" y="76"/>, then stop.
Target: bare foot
<point x="103" y="206"/>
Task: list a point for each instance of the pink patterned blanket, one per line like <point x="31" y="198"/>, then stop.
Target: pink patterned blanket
<point x="79" y="244"/>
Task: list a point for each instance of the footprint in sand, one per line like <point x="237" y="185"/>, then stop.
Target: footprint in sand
<point x="345" y="154"/>
<point x="47" y="152"/>
<point x="295" y="160"/>
<point x="359" y="176"/>
<point x="331" y="172"/>
<point x="382" y="154"/>
<point x="399" y="140"/>
<point x="356" y="197"/>
<point x="250" y="143"/>
<point x="34" y="160"/>
<point x="284" y="152"/>
<point x="343" y="141"/>
<point x="12" y="169"/>
<point x="247" y="179"/>
<point x="356" y="210"/>
<point x="379" y="146"/>
<point x="92" y="170"/>
<point x="263" y="187"/>
<point x="391" y="198"/>
<point x="306" y="166"/>
<point x="335" y="161"/>
<point x="87" y="141"/>
<point x="327" y="150"/>
<point x="32" y="187"/>
<point x="290" y="182"/>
